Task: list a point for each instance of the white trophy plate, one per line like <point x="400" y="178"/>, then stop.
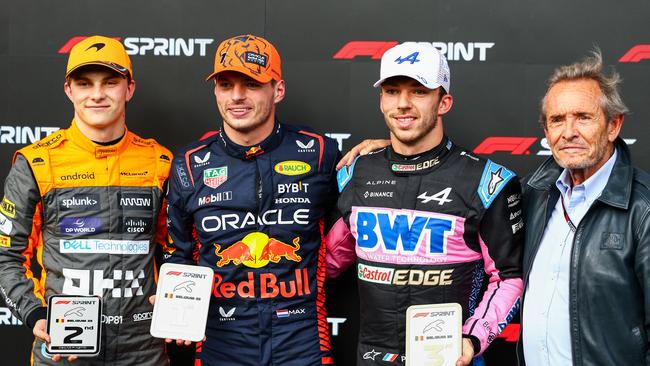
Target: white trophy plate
<point x="433" y="334"/>
<point x="182" y="302"/>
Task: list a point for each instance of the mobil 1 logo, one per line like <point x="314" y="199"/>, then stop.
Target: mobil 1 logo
<point x="74" y="325"/>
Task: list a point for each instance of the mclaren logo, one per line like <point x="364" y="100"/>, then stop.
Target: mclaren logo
<point x="96" y="46"/>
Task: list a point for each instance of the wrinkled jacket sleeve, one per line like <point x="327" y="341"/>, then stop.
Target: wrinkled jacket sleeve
<point x="501" y="241"/>
<point x="339" y="240"/>
<point x="181" y="243"/>
<point x="21" y="243"/>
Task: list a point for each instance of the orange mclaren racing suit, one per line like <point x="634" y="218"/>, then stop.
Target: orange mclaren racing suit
<point x="89" y="218"/>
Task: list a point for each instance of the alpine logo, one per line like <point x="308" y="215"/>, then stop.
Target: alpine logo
<point x="308" y="147"/>
<point x="441" y="197"/>
<point x="199" y="162"/>
<point x="453" y="51"/>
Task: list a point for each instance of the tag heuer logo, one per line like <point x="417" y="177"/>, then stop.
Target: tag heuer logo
<point x="214" y="177"/>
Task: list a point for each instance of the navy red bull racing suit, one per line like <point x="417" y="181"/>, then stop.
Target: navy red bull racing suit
<point x="257" y="215"/>
<point x="428" y="229"/>
<point x="92" y="218"/>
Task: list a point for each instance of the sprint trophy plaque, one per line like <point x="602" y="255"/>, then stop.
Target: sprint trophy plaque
<point x="182" y="302"/>
<point x="74" y="325"/>
<point x="433" y="334"/>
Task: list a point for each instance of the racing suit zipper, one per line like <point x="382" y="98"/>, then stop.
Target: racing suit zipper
<point x="258" y="188"/>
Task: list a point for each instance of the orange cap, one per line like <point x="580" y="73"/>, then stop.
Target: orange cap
<point x="100" y="50"/>
<point x="251" y="55"/>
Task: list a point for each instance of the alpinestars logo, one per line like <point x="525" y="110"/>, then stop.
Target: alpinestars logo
<point x="495" y="179"/>
<point x="306" y="147"/>
<point x="453" y="51"/>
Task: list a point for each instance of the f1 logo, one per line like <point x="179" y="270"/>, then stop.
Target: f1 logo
<point x="374" y="49"/>
<point x="514" y="145"/>
<point x="73" y="41"/>
<point x="637" y="53"/>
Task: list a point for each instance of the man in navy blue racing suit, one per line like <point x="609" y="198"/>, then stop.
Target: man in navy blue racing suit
<point x="250" y="202"/>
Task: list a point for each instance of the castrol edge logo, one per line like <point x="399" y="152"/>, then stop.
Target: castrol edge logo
<point x="292" y="167"/>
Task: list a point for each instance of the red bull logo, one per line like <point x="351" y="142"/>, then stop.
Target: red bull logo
<point x="256" y="250"/>
<point x="269" y="286"/>
<point x="253" y="152"/>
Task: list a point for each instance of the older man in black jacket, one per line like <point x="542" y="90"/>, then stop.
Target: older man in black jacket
<point x="587" y="212"/>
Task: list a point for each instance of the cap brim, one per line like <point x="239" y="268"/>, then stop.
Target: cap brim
<point x="120" y="70"/>
<point x="414" y="77"/>
<point x="261" y="78"/>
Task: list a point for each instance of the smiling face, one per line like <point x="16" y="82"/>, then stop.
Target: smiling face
<point x="99" y="96"/>
<point x="247" y="106"/>
<point x="412" y="113"/>
<point x="579" y="135"/>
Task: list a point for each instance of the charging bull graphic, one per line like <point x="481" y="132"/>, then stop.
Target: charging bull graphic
<point x="256" y="250"/>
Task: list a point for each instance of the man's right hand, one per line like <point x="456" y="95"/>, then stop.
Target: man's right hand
<point x="40" y="332"/>
<point x="363" y="148"/>
<point x="179" y="342"/>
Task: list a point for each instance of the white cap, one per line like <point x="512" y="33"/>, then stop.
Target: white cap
<point x="418" y="60"/>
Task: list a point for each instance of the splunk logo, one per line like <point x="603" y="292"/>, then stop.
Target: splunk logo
<point x="453" y="51"/>
<point x="156" y="46"/>
<point x="519" y="145"/>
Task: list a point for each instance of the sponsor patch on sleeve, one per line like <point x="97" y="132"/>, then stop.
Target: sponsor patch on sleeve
<point x="8" y="208"/>
<point x="5" y="241"/>
<point x="494" y="178"/>
<point x="344" y="175"/>
<point x="5" y="224"/>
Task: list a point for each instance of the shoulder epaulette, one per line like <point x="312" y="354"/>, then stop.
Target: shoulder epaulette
<point x="493" y="179"/>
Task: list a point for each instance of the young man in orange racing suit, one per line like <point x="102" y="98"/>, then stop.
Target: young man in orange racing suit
<point x="255" y="195"/>
<point x="86" y="204"/>
<point x="425" y="220"/>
